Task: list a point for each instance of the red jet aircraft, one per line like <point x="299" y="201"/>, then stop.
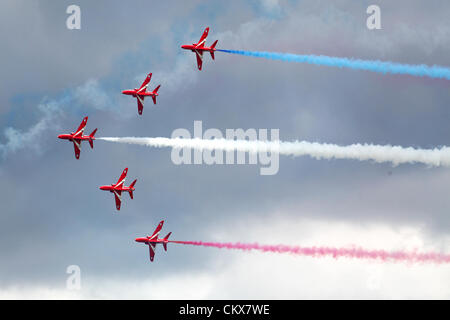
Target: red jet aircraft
<point x="142" y="92"/>
<point x="199" y="48"/>
<point x="77" y="137"/>
<point x="153" y="240"/>
<point x="119" y="187"/>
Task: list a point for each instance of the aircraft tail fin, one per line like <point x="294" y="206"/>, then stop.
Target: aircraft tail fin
<point x="155" y="91"/>
<point x="91" y="138"/>
<point x="166" y="238"/>
<point x="212" y="47"/>
<point x="132" y="188"/>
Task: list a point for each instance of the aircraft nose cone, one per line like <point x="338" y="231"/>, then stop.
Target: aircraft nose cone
<point x="60" y="136"/>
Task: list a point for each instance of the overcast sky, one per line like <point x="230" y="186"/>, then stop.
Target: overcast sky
<point x="53" y="215"/>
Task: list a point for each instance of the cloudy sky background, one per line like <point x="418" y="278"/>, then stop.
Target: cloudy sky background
<point x="53" y="215"/>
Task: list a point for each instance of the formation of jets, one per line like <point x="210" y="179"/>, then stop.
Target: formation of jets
<point x="140" y="94"/>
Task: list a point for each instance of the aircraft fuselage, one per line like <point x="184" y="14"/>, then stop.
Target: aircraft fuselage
<point x="147" y="240"/>
<point x="112" y="188"/>
<point x="193" y="48"/>
<point x="71" y="137"/>
<point x="135" y="93"/>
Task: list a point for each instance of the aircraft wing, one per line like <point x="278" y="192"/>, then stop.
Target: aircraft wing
<point x="80" y="129"/>
<point x="122" y="178"/>
<point x="118" y="196"/>
<point x="77" y="148"/>
<point x="199" y="56"/>
<point x="145" y="83"/>
<point x="140" y="103"/>
<point x="155" y="234"/>
<point x="202" y="40"/>
<point x="151" y="248"/>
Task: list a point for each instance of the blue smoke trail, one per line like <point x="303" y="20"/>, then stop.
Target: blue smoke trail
<point x="369" y="65"/>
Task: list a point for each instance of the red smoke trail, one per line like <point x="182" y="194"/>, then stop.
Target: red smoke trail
<point x="355" y="253"/>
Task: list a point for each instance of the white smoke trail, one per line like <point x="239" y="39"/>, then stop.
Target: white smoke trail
<point x="362" y="152"/>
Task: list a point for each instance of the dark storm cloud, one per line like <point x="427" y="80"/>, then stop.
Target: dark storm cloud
<point x="54" y="215"/>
